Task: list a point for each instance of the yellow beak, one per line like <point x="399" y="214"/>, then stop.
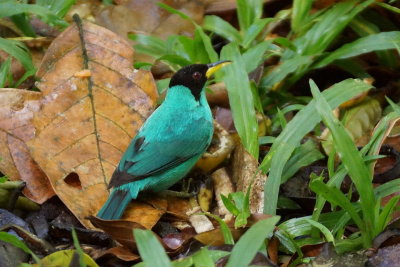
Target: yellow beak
<point x="213" y="67"/>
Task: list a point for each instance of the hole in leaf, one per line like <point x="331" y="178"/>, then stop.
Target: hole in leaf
<point x="72" y="179"/>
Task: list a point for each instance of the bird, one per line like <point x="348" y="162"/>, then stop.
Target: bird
<point x="168" y="144"/>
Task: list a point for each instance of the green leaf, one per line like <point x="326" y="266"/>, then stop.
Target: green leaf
<point x="328" y="26"/>
<point x="324" y="230"/>
<point x="21" y="21"/>
<point x="10" y="8"/>
<point x="150" y="249"/>
<point x="386" y="215"/>
<point x="5" y="71"/>
<point x="387" y="188"/>
<point x="304" y="122"/>
<point x="253" y="57"/>
<point x="230" y="205"/>
<point x="247" y="246"/>
<point x="226" y="232"/>
<point x="148" y="44"/>
<point x="241" y="98"/>
<point x="59" y="7"/>
<point x="354" y="163"/>
<point x="175" y="60"/>
<point x="13" y="240"/>
<point x="281" y="71"/>
<point x="222" y="28"/>
<point x="389" y="7"/>
<point x="370" y="43"/>
<point x="203" y="258"/>
<point x="304" y="155"/>
<point x="212" y="55"/>
<point x="174" y="11"/>
<point x="254" y="30"/>
<point x="336" y="197"/>
<point x="78" y="248"/>
<point x="19" y="51"/>
<point x="300" y="14"/>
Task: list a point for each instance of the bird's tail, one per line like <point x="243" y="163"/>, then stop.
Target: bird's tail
<point x="115" y="205"/>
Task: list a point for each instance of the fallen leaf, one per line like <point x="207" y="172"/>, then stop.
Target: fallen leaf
<point x="245" y="171"/>
<point x="222" y="186"/>
<point x="122" y="253"/>
<point x="86" y="123"/>
<point x="359" y="122"/>
<point x="146" y="17"/>
<point x="215" y="237"/>
<point x="16" y="112"/>
<point x="66" y="258"/>
<point x="119" y="230"/>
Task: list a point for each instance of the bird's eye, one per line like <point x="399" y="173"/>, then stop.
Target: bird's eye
<point x="197" y="75"/>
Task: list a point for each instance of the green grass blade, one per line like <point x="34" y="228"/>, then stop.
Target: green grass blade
<point x="241" y="98"/>
<point x="212" y="55"/>
<point x="370" y="43"/>
<point x="5" y="71"/>
<point x="203" y="258"/>
<point x="248" y="245"/>
<point x="78" y="248"/>
<point x="328" y="26"/>
<point x="19" y="51"/>
<point x="300" y="14"/>
<point x="13" y="240"/>
<point x="221" y="27"/>
<point x="21" y="21"/>
<point x="304" y="122"/>
<point x="336" y="197"/>
<point x="150" y="249"/>
<point x="10" y="8"/>
<point x="253" y="57"/>
<point x="364" y="27"/>
<point x="174" y="11"/>
<point x="59" y="7"/>
<point x="283" y="70"/>
<point x="226" y="232"/>
<point x="351" y="158"/>
<point x="148" y="44"/>
<point x="386" y="215"/>
<point x="387" y="188"/>
<point x="323" y="229"/>
<point x="243" y="14"/>
<point x="304" y="155"/>
<point x="254" y="30"/>
<point x="389" y="7"/>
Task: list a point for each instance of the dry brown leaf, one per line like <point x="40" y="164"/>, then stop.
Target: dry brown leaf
<point x="146" y="17"/>
<point x="119" y="230"/>
<point x="122" y="253"/>
<point x="222" y="186"/>
<point x="245" y="167"/>
<point x="215" y="237"/>
<point x="16" y="111"/>
<point x="86" y="123"/>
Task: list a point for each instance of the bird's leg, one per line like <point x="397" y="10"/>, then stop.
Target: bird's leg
<point x="185" y="193"/>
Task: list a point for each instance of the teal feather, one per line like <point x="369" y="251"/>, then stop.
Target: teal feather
<point x="165" y="149"/>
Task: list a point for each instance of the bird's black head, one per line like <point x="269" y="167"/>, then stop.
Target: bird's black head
<point x="195" y="76"/>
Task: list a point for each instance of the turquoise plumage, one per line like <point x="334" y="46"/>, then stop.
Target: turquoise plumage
<point x="168" y="144"/>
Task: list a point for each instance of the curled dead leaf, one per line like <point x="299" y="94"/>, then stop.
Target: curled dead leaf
<point x="17" y="107"/>
<point x="86" y="123"/>
<point x="245" y="171"/>
<point x="119" y="230"/>
<point x="222" y="146"/>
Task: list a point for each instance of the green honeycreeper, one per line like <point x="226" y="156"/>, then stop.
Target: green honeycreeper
<point x="168" y="144"/>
